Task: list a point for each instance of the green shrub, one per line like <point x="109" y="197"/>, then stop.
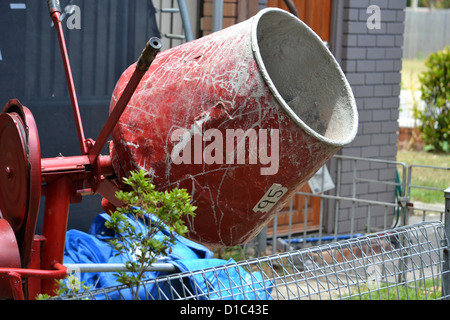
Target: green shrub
<point x="137" y="243"/>
<point x="434" y="121"/>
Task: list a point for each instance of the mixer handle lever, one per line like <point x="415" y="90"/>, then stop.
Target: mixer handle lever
<point x="148" y="54"/>
<point x="143" y="64"/>
<point x="53" y="6"/>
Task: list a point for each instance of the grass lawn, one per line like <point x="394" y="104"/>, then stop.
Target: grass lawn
<point x="426" y="176"/>
<point x="423" y="290"/>
<point x="423" y="176"/>
<point x="411" y="68"/>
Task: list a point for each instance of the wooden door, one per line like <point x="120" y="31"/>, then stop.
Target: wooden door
<point x="315" y="13"/>
<point x="292" y="219"/>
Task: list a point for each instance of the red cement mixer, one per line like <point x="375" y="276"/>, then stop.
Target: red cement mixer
<point x="240" y="118"/>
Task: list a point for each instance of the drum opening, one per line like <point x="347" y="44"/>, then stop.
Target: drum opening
<point x="304" y="77"/>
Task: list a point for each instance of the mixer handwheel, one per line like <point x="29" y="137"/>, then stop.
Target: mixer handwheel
<point x="20" y="174"/>
<point x="9" y="256"/>
<point x="13" y="170"/>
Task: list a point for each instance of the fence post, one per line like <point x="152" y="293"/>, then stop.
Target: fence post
<point x="261" y="241"/>
<point x="446" y="264"/>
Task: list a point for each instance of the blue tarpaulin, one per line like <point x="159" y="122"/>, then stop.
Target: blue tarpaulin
<point x="229" y="283"/>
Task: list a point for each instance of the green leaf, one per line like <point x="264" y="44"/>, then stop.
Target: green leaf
<point x="169" y="206"/>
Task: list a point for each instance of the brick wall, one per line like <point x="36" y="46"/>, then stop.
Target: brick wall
<point x="371" y="59"/>
<point x="229" y="15"/>
<point x="234" y="11"/>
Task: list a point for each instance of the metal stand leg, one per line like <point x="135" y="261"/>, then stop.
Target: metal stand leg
<point x="446" y="264"/>
<point x="54" y="228"/>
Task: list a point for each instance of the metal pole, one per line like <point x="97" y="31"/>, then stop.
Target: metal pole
<point x="217" y="22"/>
<point x="113" y="267"/>
<point x="262" y="242"/>
<point x="186" y="21"/>
<point x="55" y="14"/>
<point x="142" y="65"/>
<point x="446" y="264"/>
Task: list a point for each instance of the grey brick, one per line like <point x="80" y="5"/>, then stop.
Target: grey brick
<point x="354" y="53"/>
<point x="369" y="174"/>
<point x="383" y="4"/>
<point x="392" y="78"/>
<point x="391" y="102"/>
<point x="348" y="65"/>
<point x="352" y="151"/>
<point x="365" y="66"/>
<point x="395" y="28"/>
<point x="381" y="115"/>
<point x="401" y="15"/>
<point x="347" y="177"/>
<point x="377" y="187"/>
<point x="374" y="78"/>
<point x="379" y="139"/>
<point x="398" y="65"/>
<point x="364" y="14"/>
<point x="397" y="4"/>
<point x="395" y="113"/>
<point x="389" y="126"/>
<point x="393" y="138"/>
<point x="351" y="14"/>
<point x="376" y="53"/>
<point x="388" y="151"/>
<point x="389" y="15"/>
<point x="355" y="78"/>
<point x="389" y="195"/>
<point x="380" y="31"/>
<point x="383" y="91"/>
<point x="362" y="141"/>
<point x="384" y="65"/>
<point x="353" y="27"/>
<point x="344" y="225"/>
<point x="373" y="103"/>
<point x="350" y="40"/>
<point x="394" y="53"/>
<point x="365" y="115"/>
<point x="367" y="40"/>
<point x="396" y="89"/>
<point x="356" y="3"/>
<point x="372" y="127"/>
<point x="378" y="165"/>
<point x="363" y="91"/>
<point x="387" y="174"/>
<point x="361" y="218"/>
<point x="399" y="40"/>
<point x="362" y="188"/>
<point x="370" y="152"/>
<point x="385" y="40"/>
<point x="360" y="102"/>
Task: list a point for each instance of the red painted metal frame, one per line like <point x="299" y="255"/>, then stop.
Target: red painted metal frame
<point x="15" y="276"/>
<point x="56" y="17"/>
<point x="62" y="180"/>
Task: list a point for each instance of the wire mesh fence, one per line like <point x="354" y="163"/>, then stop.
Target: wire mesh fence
<point x="403" y="263"/>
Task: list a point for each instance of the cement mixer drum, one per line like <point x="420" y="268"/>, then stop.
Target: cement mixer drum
<point x="240" y="118"/>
